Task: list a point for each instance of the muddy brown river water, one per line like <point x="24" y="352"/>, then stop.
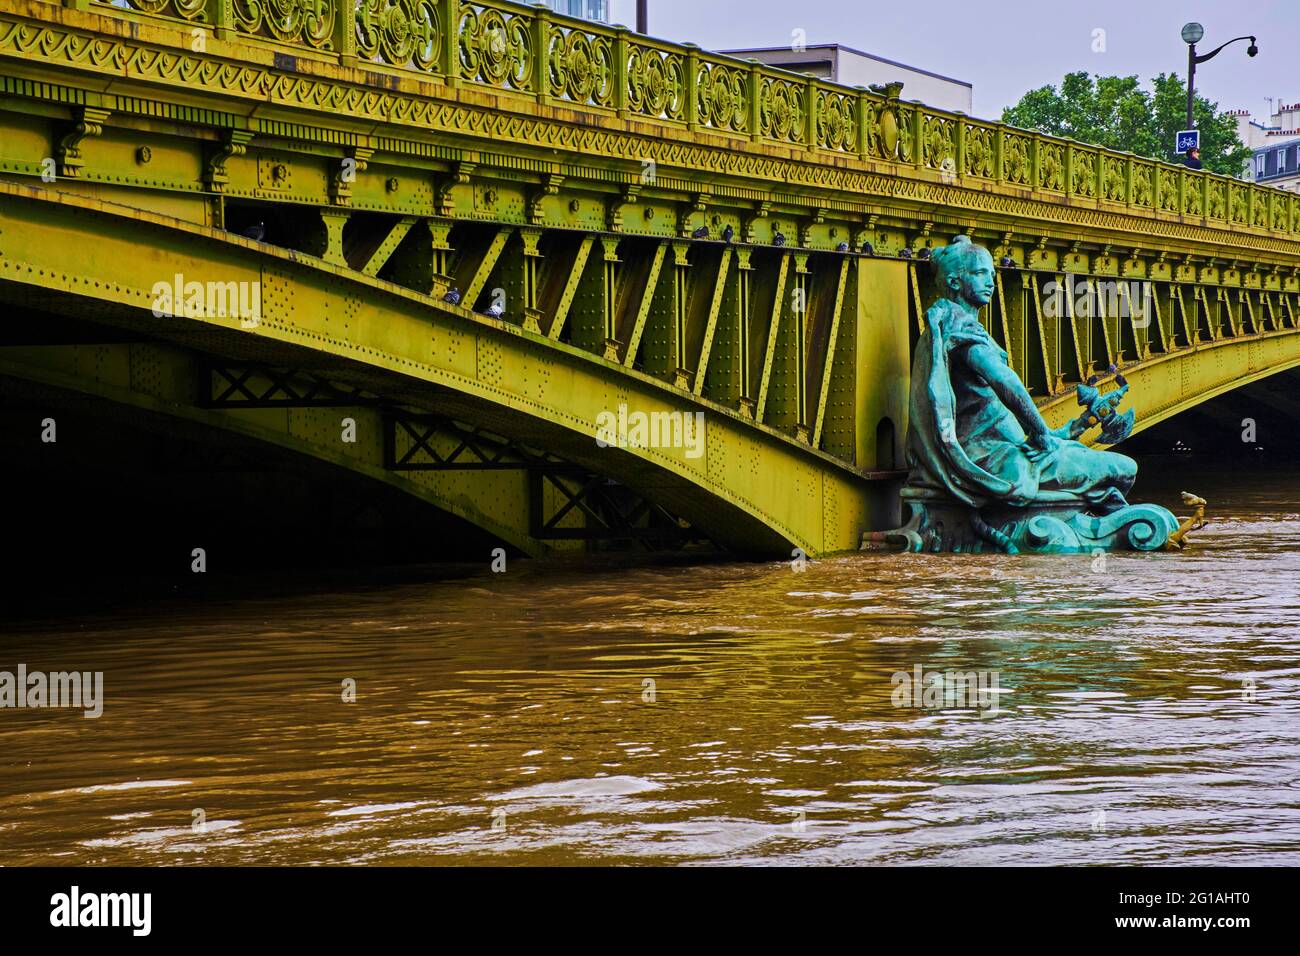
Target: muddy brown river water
<point x="1148" y="711"/>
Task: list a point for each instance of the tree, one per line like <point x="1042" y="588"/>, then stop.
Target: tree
<point x="1116" y="112"/>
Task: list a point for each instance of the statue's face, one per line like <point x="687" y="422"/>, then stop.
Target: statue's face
<point x="975" y="283"/>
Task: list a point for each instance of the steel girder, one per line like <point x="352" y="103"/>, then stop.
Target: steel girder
<point x="162" y="387"/>
<point x="751" y="488"/>
<point x="1179" y="343"/>
<point x="201" y="111"/>
<point x="1164" y="385"/>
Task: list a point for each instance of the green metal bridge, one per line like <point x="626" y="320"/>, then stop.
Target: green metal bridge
<point x="433" y="243"/>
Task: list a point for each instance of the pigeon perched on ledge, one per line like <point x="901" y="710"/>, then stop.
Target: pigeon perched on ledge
<point x="905" y="253"/>
<point x="867" y="249"/>
<point x="923" y="253"/>
<point x="494" y="311"/>
<point x="701" y="233"/>
<point x="1006" y="262"/>
<point x="728" y="234"/>
<point x="452" y="296"/>
<point x="256" y="232"/>
<point x="842" y="247"/>
<point x="778" y="239"/>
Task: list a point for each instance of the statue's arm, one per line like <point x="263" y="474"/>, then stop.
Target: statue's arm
<point x="1006" y="384"/>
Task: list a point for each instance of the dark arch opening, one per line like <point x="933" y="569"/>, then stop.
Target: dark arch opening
<point x="885" y="454"/>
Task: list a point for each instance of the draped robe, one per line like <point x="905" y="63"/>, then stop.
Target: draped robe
<point x="963" y="440"/>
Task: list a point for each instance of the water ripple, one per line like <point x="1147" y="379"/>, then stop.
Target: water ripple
<point x="693" y="713"/>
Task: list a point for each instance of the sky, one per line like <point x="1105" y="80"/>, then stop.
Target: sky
<point x="1008" y="47"/>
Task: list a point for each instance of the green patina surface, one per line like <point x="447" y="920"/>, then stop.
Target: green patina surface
<point x="976" y="439"/>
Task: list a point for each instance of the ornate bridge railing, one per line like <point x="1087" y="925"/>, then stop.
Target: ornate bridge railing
<point x="531" y="51"/>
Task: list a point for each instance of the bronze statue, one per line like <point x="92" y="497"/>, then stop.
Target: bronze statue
<point x="986" y="470"/>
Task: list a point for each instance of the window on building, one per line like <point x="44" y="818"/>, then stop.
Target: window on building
<point x="1270" y="162"/>
<point x="590" y="9"/>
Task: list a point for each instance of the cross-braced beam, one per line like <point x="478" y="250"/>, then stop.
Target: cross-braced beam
<point x="256" y="386"/>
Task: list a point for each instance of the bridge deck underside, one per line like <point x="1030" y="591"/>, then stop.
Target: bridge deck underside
<point x="745" y="488"/>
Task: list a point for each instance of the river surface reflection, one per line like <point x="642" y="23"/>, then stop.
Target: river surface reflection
<point x="684" y="713"/>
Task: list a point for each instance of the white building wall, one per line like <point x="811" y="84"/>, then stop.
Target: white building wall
<point x="1249" y="131"/>
<point x="854" y="68"/>
<point x="931" y="90"/>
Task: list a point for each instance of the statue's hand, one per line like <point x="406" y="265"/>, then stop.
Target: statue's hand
<point x="1072" y="429"/>
<point x="1043" y="446"/>
<point x="1067" y="431"/>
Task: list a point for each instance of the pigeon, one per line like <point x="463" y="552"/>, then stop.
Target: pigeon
<point x="701" y="233"/>
<point x="1007" y="262"/>
<point x="905" y="253"/>
<point x="923" y="253"/>
<point x="868" y="249"/>
<point x="256" y="232"/>
<point x="778" y="239"/>
<point x="452" y="296"/>
<point x="842" y="247"/>
<point x="493" y="311"/>
<point x="728" y="234"/>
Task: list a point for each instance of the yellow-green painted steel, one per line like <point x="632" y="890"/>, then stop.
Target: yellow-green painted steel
<point x="561" y="169"/>
<point x="160" y="382"/>
<point x="752" y="488"/>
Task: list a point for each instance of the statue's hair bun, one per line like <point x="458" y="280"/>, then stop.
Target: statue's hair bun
<point x="950" y="258"/>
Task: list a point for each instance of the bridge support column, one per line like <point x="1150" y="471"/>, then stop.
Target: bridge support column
<point x="609" y="297"/>
<point x="826" y="351"/>
<point x="728" y="373"/>
<point x="423" y="261"/>
<point x="665" y="336"/>
<point x="333" y="221"/>
<point x="772" y="337"/>
<point x="744" y="335"/>
<point x="441" y="252"/>
<point x="799" y="328"/>
<point x="882" y="364"/>
<point x="705" y="311"/>
<point x="640" y="300"/>
<point x="787" y="406"/>
<point x="520" y="267"/>
<point x="681" y="315"/>
<point x="594" y="322"/>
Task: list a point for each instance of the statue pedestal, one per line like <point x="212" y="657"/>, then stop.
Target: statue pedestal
<point x="1057" y="524"/>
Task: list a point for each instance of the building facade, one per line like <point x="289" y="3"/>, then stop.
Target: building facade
<point x="851" y="67"/>
<point x="1274" y="144"/>
<point x="587" y="9"/>
<point x="1277" y="164"/>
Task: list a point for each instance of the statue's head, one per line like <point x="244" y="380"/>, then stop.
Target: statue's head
<point x="964" y="272"/>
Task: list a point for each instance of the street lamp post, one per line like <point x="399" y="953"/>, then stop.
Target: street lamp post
<point x="1192" y="33"/>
